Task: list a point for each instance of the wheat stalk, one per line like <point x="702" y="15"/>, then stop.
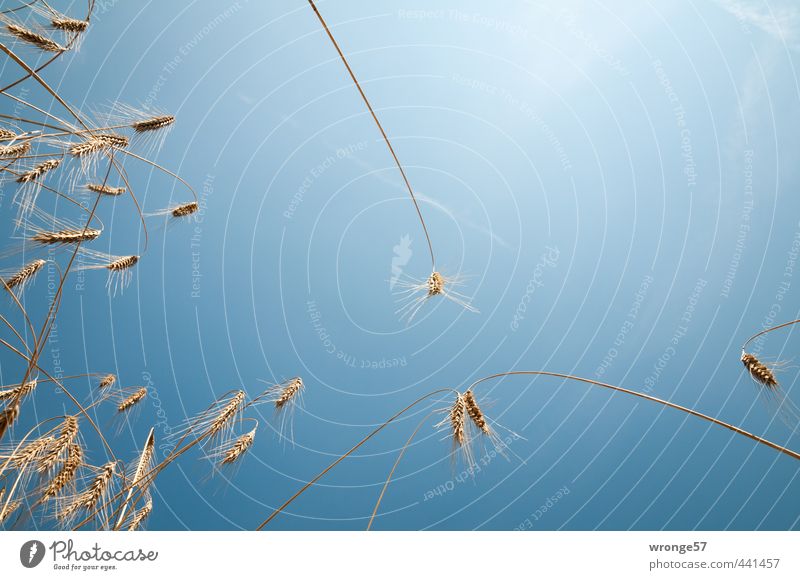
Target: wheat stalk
<point x="34" y="38"/>
<point x="105" y="189"/>
<point x="39" y="170"/>
<point x="153" y="123"/>
<point x="6" y="134"/>
<point x="67" y="236"/>
<point x="380" y="128"/>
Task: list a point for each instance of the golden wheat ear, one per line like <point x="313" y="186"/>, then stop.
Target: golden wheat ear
<point x="413" y="294"/>
<point x="177" y="211"/>
<point x="153" y="123"/>
<point x="17" y="281"/>
<point x="67" y="435"/>
<point x="286" y="397"/>
<point x="454" y="426"/>
<point x="14" y="151"/>
<point x="105" y="189"/>
<point x="140" y="516"/>
<point x="7" y="418"/>
<point x="119" y="268"/>
<point x="67" y="24"/>
<point x="96" y="492"/>
<point x="31" y="37"/>
<point x="760" y="372"/>
<point x="107" y="381"/>
<point x="18" y="392"/>
<point x="140" y="478"/>
<point x="230" y="452"/>
<point x="775" y="399"/>
<point x="129" y="401"/>
<point x="67" y="474"/>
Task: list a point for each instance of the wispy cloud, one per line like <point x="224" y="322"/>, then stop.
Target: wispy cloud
<point x="781" y="20"/>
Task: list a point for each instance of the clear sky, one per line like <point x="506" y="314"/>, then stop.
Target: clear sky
<point x="615" y="181"/>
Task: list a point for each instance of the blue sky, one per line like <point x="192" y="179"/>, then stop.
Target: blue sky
<point x="616" y="182"/>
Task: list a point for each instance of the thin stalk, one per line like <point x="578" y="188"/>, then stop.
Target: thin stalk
<point x="756" y="335"/>
<point x="380" y="128"/>
<point x="662" y="402"/>
<point x="352" y="450"/>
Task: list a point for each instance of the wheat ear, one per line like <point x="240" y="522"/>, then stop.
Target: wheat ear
<point x="25" y="274"/>
<point x="107" y="381"/>
<point x="105" y="189"/>
<point x="69" y="24"/>
<point x="33" y="38"/>
<point x="238" y="448"/>
<point x="153" y="123"/>
<point x="68" y="471"/>
<point x="758" y="370"/>
<point x="140" y="516"/>
<point x="132" y="400"/>
<point x="68" y="236"/>
<point x="142" y="467"/>
<point x="39" y="170"/>
<point x="14" y="151"/>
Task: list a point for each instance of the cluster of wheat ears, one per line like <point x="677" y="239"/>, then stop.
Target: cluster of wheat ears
<point x="64" y="168"/>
